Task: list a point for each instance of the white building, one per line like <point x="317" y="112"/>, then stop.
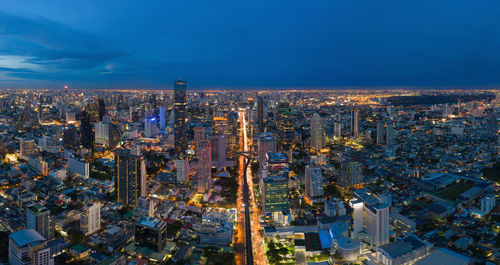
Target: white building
<point x="38" y="164"/>
<point x="488" y="203"/>
<point x="314" y="184"/>
<point x="317" y="132"/>
<point x="182" y="166"/>
<point x="90" y="218"/>
<point x="27" y="247"/>
<point x="79" y="167"/>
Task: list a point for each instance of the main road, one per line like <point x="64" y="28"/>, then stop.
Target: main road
<point x="249" y="217"/>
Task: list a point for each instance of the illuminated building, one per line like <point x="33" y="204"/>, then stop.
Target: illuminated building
<point x="38" y="218"/>
<point x="162" y="119"/>
<point x="317" y="132"/>
<point x="355" y="123"/>
<point x="350" y="175"/>
<point x="389" y="141"/>
<point x="86" y="134"/>
<point x="274" y="189"/>
<point x="28" y="247"/>
<point x="375" y="219"/>
<point x="204" y="166"/>
<point x="200" y="134"/>
<point x="260" y="114"/>
<point x="218" y="150"/>
<point x="284" y="126"/>
<point x="314" y="184"/>
<point x="180" y="104"/>
<point x="266" y="143"/>
<point x="130" y="177"/>
<point x="151" y="233"/>
<point x="90" y="218"/>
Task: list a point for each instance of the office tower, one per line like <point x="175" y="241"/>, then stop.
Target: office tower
<point x="317" y="132"/>
<point x="150" y="128"/>
<point x="107" y="134"/>
<point x="218" y="147"/>
<point x="90" y="218"/>
<point x="86" y="134"/>
<point x="162" y="119"/>
<point x="26" y="148"/>
<point x="28" y="247"/>
<point x="355" y="123"/>
<point x="260" y="114"/>
<point x="375" y="219"/>
<point x="38" y="218"/>
<point x="274" y="188"/>
<point x="182" y="166"/>
<point x="314" y="184"/>
<point x="101" y="108"/>
<point x="350" y="174"/>
<point x="284" y="127"/>
<point x="389" y="141"/>
<point x="204" y="166"/>
<point x="79" y="167"/>
<point x="266" y="143"/>
<point x="180" y="143"/>
<point x="224" y="126"/>
<point x="145" y="208"/>
<point x="380" y="132"/>
<point x="357" y="206"/>
<point x="337" y="126"/>
<point x="151" y="233"/>
<point x="200" y="134"/>
<point x="130" y="177"/>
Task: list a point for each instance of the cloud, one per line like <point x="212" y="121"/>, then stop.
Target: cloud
<point x="53" y="45"/>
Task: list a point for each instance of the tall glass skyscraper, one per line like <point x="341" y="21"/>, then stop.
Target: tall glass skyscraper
<point x="284" y="126"/>
<point x="86" y="133"/>
<point x="130" y="177"/>
<point x="180" y="103"/>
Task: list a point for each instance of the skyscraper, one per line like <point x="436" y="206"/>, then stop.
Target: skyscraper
<point x="284" y="126"/>
<point x="317" y="132"/>
<point x="355" y="123"/>
<point x="260" y="114"/>
<point x="101" y="108"/>
<point x="38" y="218"/>
<point x="90" y="218"/>
<point x="380" y="132"/>
<point x="204" y="166"/>
<point x="218" y="150"/>
<point x="350" y="175"/>
<point x="200" y="134"/>
<point x="274" y="188"/>
<point x="375" y="218"/>
<point x="389" y="135"/>
<point x="266" y="144"/>
<point x="162" y="119"/>
<point x="314" y="184"/>
<point x="130" y="177"/>
<point x="180" y="143"/>
<point x="29" y="247"/>
<point x="86" y="134"/>
<point x="337" y="126"/>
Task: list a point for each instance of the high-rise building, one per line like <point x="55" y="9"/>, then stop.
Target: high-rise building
<point x="151" y="233"/>
<point x="314" y="184"/>
<point x="86" y="134"/>
<point x="162" y="119"/>
<point x="218" y="150"/>
<point x="355" y="123"/>
<point x="28" y="247"/>
<point x="145" y="207"/>
<point x="350" y="174"/>
<point x="180" y="104"/>
<point x="204" y="166"/>
<point x="38" y="218"/>
<point x="26" y="148"/>
<point x="284" y="127"/>
<point x="101" y="108"/>
<point x="107" y="134"/>
<point x="374" y="219"/>
<point x="337" y="126"/>
<point x="79" y="167"/>
<point x="200" y="134"/>
<point x="150" y="128"/>
<point x="274" y="188"/>
<point x="488" y="203"/>
<point x="317" y="132"/>
<point x="266" y="143"/>
<point x="380" y="132"/>
<point x="389" y="141"/>
<point x="90" y="218"/>
<point x="260" y="114"/>
<point x="182" y="166"/>
<point x="130" y="177"/>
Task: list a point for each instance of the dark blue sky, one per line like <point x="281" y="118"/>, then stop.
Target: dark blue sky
<point x="249" y="44"/>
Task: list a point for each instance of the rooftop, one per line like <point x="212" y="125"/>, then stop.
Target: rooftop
<point x="402" y="246"/>
<point x="150" y="222"/>
<point x="444" y="256"/>
<point x="37" y="208"/>
<point x="26" y="236"/>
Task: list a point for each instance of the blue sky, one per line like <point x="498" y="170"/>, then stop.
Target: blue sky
<point x="249" y="44"/>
